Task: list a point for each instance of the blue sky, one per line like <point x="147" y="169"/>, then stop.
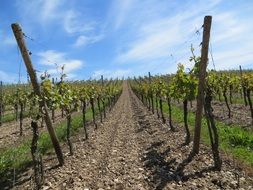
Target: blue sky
<point x="118" y="38"/>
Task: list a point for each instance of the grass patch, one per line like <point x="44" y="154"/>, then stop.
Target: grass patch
<point x="232" y="138"/>
<point x="11" y="117"/>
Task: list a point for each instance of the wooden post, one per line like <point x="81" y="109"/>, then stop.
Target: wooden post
<point x="152" y="97"/>
<point x="103" y="101"/>
<point x="243" y="88"/>
<point x="1" y="102"/>
<point x="28" y="79"/>
<point x="36" y="87"/>
<point x="201" y="85"/>
<point x="102" y="80"/>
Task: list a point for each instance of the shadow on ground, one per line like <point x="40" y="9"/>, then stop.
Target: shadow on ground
<point x="163" y="171"/>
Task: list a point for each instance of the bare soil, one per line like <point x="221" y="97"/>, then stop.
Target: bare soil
<point x="134" y="150"/>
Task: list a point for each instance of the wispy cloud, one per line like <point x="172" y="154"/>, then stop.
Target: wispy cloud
<point x="50" y="9"/>
<point x="46" y="12"/>
<point x="6" y="39"/>
<point x="54" y="13"/>
<point x="122" y="7"/>
<point x="151" y="46"/>
<point x="161" y="34"/>
<point x="118" y="73"/>
<point x="7" y="77"/>
<point x="56" y="60"/>
<point x="233" y="58"/>
<point x="41" y="11"/>
<point x="74" y="23"/>
<point x="83" y="40"/>
<point x="9" y="40"/>
<point x="227" y="27"/>
<point x="128" y="37"/>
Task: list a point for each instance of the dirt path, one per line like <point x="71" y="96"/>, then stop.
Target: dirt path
<point x="133" y="150"/>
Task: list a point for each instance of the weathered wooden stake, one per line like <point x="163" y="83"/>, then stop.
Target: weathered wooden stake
<point x="102" y="80"/>
<point x="1" y="102"/>
<point x="149" y="77"/>
<point x="103" y="101"/>
<point x="243" y="88"/>
<point x="201" y="86"/>
<point x="36" y="87"/>
<point x="152" y="97"/>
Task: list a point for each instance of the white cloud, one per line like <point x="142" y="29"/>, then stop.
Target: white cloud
<point x="50" y="57"/>
<point x="57" y="12"/>
<point x="40" y="11"/>
<point x="143" y="34"/>
<point x="233" y="58"/>
<point x="9" y="40"/>
<point x="151" y="46"/>
<point x="69" y="66"/>
<point x="122" y="7"/>
<point x="74" y="23"/>
<point x="227" y="27"/>
<point x="111" y="73"/>
<point x="8" y="77"/>
<point x="56" y="60"/>
<point x="50" y="9"/>
<point x="155" y="35"/>
<point x="158" y="40"/>
<point x="83" y="40"/>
